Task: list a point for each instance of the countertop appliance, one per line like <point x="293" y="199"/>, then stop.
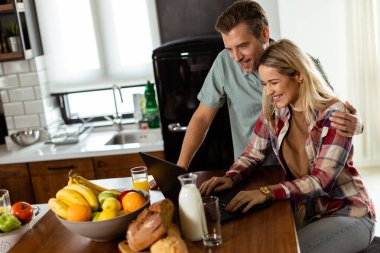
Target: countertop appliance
<point x="180" y="68"/>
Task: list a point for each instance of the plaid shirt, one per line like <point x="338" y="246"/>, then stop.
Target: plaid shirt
<point x="333" y="185"/>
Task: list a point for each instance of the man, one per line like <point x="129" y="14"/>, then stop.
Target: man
<point x="233" y="79"/>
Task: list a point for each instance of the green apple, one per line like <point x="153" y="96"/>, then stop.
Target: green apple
<point x="105" y="195"/>
<point x="95" y="216"/>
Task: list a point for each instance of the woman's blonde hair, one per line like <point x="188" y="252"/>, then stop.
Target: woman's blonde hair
<point x="290" y="60"/>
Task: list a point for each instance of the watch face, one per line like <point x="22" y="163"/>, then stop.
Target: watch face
<point x="265" y="190"/>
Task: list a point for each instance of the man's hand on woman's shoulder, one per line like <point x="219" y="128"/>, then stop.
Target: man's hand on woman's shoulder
<point x="347" y="124"/>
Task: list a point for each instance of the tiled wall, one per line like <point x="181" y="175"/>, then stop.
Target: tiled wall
<point x="25" y="97"/>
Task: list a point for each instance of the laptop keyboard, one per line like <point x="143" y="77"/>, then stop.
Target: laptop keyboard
<point x="222" y="210"/>
<point x="226" y="216"/>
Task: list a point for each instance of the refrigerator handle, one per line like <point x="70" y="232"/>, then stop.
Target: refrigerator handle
<point x="176" y="127"/>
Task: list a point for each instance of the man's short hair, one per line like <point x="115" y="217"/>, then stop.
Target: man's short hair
<point x="243" y="11"/>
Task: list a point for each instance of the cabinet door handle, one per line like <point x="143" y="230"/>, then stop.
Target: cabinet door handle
<point x="69" y="167"/>
<point x="176" y="127"/>
<point x="101" y="164"/>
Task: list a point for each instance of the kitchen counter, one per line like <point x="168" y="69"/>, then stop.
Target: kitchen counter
<point x="93" y="145"/>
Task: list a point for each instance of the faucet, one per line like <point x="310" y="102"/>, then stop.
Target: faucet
<point x="117" y="118"/>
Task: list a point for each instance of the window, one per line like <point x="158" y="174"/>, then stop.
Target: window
<point x="84" y="106"/>
<point x="91" y="44"/>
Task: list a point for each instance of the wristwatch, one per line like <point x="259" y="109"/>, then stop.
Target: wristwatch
<point x="267" y="192"/>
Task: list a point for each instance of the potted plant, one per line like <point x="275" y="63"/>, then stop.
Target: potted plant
<point x="13" y="37"/>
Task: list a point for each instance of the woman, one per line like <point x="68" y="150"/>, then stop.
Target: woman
<point x="333" y="210"/>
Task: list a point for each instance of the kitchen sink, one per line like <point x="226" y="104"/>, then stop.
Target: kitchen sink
<point x="125" y="138"/>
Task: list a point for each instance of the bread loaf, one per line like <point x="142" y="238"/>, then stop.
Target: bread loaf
<point x="150" y="225"/>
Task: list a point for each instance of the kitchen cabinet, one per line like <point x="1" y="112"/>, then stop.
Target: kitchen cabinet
<point x="15" y="178"/>
<point x="49" y="176"/>
<point x="119" y="165"/>
<point x="23" y="14"/>
<point x="36" y="182"/>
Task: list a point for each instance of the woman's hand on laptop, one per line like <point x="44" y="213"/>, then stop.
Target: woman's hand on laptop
<point x="153" y="185"/>
<point x="250" y="198"/>
<point x="215" y="184"/>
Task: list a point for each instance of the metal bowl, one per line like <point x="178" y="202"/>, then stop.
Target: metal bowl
<point x="26" y="137"/>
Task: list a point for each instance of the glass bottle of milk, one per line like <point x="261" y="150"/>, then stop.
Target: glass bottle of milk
<point x="191" y="210"/>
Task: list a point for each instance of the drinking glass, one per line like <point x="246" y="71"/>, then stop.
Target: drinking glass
<point x="140" y="178"/>
<point x="213" y="234"/>
<point x="5" y="202"/>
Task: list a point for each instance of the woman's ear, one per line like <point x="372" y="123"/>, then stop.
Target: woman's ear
<point x="299" y="77"/>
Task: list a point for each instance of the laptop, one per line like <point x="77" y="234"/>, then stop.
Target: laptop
<point x="166" y="175"/>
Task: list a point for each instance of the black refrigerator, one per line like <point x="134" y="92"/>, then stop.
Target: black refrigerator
<point x="180" y="68"/>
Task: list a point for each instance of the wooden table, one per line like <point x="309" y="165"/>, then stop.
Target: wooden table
<point x="268" y="230"/>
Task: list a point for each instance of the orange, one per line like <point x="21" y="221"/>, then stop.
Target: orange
<point x="78" y="212"/>
<point x="132" y="201"/>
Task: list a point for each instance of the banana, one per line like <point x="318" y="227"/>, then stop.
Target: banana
<point x="58" y="207"/>
<point x="70" y="181"/>
<point x="96" y="188"/>
<point x="87" y="193"/>
<point x="69" y="197"/>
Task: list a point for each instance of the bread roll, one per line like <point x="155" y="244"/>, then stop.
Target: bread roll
<point x="150" y="225"/>
<point x="169" y="244"/>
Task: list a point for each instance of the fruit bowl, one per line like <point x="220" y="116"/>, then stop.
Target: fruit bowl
<point x="105" y="230"/>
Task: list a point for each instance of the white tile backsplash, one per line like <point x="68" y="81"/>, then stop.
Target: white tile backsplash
<point x="9" y="121"/>
<point x="16" y="67"/>
<point x="43" y="121"/>
<point x="26" y="121"/>
<point x="37" y="92"/>
<point x="28" y="79"/>
<point x="8" y="82"/>
<point x="4" y="96"/>
<point x="32" y="65"/>
<point x="12" y="109"/>
<point x="21" y="94"/>
<point x="35" y="106"/>
<point x="25" y="95"/>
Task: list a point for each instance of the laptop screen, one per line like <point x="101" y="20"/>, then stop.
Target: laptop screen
<point x="166" y="175"/>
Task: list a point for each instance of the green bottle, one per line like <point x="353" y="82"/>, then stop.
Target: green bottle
<point x="151" y="106"/>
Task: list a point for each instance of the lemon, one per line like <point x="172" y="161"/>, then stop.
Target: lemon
<point x="107" y="214"/>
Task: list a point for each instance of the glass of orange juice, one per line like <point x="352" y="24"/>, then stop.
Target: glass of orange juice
<point x="140" y="178"/>
<point x="5" y="202"/>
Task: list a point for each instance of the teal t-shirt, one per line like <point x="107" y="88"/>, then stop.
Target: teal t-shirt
<point x="227" y="83"/>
